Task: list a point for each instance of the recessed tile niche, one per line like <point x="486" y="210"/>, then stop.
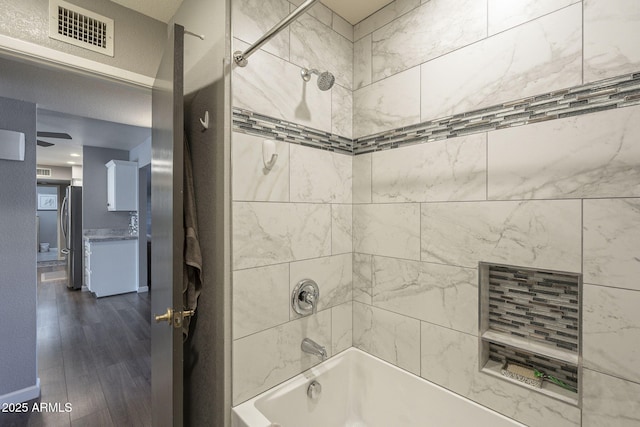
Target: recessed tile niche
<point x="531" y="317"/>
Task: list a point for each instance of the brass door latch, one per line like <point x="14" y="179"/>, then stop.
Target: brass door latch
<point x="174" y="317"/>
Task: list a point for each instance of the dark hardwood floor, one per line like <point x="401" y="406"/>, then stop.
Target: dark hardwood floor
<point x="94" y="354"/>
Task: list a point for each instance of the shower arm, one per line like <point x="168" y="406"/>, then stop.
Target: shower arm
<point x="241" y="58"/>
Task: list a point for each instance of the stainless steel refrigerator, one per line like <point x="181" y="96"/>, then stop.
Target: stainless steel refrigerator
<point x="71" y="224"/>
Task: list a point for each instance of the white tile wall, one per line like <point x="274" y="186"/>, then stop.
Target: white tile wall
<point x="273" y="86"/>
<point x="260" y="299"/>
<point x="452" y="169"/>
<point x="320" y="176"/>
<point x="251" y="181"/>
<point x="594" y="155"/>
<point x="387" y="335"/>
<point x="543" y="234"/>
<point x="316" y="45"/>
<point x="611" y="43"/>
<point x="383" y="16"/>
<point x="267" y="358"/>
<point x="362" y="178"/>
<point x="611" y="331"/>
<point x="441" y="294"/>
<point x="449" y="358"/>
<point x="387" y="104"/>
<point x="429" y="31"/>
<point x="608" y="401"/>
<point x="341" y="229"/>
<point x="533" y="58"/>
<point x="253" y="18"/>
<point x="333" y="275"/>
<point x="272" y="233"/>
<point x="362" y="62"/>
<point x="341" y="327"/>
<point x="505" y="14"/>
<point x="342" y="111"/>
<point x="362" y="278"/>
<point x="389" y="230"/>
<point x="413" y="280"/>
<point x="611" y="242"/>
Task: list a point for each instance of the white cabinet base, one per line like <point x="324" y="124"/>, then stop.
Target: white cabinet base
<point x="111" y="267"/>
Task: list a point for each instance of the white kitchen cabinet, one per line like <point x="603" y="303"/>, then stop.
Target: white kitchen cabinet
<point x="122" y="185"/>
<point x="111" y="266"/>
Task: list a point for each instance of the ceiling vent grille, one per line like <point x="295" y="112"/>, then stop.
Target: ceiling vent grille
<point x="80" y="27"/>
<point x="43" y="172"/>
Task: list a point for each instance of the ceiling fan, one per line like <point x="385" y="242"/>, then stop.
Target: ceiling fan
<point x="57" y="135"/>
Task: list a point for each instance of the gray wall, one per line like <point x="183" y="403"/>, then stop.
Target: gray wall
<point x="207" y="356"/>
<point x="94" y="189"/>
<point x="48" y="219"/>
<point x="138" y="38"/>
<point x="18" y="369"/>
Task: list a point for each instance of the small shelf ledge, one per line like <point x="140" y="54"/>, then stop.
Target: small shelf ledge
<point x="554" y="391"/>
<point x="531" y="346"/>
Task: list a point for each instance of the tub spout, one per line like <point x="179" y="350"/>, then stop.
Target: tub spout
<point x="312" y="347"/>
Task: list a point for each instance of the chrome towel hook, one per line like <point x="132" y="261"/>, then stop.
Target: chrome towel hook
<point x="269" y="155"/>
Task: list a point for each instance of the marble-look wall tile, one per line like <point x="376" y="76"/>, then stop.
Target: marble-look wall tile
<point x="274" y="87"/>
<point x="362" y="178"/>
<point x="342" y="111"/>
<point x="593" y="155"/>
<point x="505" y="14"/>
<point x="387" y="229"/>
<point x="341" y="327"/>
<point x="362" y="62"/>
<point x="436" y="293"/>
<point x="319" y="11"/>
<point x="341" y="229"/>
<point x="611" y="36"/>
<point x="251" y="314"/>
<point x="272" y="233"/>
<point x="452" y="169"/>
<point x="280" y="357"/>
<point x="333" y="276"/>
<point x="383" y="17"/>
<point x="251" y="181"/>
<point x="608" y="401"/>
<point x="527" y="406"/>
<point x="387" y="335"/>
<point x="544" y="234"/>
<point x="362" y="278"/>
<point x="611" y="242"/>
<point x="449" y="358"/>
<point x="611" y="331"/>
<point x="316" y="45"/>
<point x="342" y="27"/>
<point x="388" y="104"/>
<point x="320" y="176"/>
<point x="533" y="58"/>
<point x="428" y="31"/>
<point x="253" y="18"/>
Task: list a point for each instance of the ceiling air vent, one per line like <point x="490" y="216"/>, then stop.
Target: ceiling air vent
<point x="43" y="172"/>
<point x="80" y="27"/>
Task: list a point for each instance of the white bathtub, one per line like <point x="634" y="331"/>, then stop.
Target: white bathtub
<point x="359" y="390"/>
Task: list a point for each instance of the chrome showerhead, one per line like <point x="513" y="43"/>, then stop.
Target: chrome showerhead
<point x="325" y="79"/>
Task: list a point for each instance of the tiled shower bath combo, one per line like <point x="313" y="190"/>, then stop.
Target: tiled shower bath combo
<point x="504" y="133"/>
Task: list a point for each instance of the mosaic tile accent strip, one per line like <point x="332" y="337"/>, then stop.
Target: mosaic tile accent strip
<point x="617" y="92"/>
<point x="561" y="370"/>
<point x="603" y="95"/>
<point x="280" y="130"/>
<point x="536" y="305"/>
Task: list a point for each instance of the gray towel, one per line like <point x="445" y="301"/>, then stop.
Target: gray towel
<point x="192" y="271"/>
